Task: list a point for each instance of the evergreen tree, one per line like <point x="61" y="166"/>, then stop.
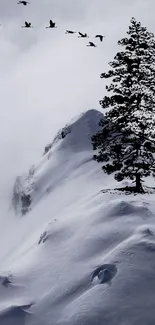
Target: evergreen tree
<point x="126" y="142"/>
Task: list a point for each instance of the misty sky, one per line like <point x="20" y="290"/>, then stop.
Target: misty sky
<point x="47" y="77"/>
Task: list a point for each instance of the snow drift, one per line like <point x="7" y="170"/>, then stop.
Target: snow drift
<point x="69" y="253"/>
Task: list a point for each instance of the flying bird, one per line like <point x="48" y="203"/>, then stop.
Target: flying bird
<point x="83" y="35"/>
<point x="23" y="3"/>
<point x="69" y="32"/>
<point x="100" y="37"/>
<point x="27" y="25"/>
<point x="92" y="44"/>
<point x="51" y="25"/>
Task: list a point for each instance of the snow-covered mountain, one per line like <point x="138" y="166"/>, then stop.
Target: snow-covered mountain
<point x="69" y="253"/>
<point x="70" y="150"/>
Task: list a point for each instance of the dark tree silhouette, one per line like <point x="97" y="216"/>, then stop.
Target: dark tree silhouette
<point x="126" y="141"/>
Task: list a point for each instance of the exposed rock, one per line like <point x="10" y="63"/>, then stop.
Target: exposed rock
<point x="60" y="135"/>
<point x="21" y="200"/>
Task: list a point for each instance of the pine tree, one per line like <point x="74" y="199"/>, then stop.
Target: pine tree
<point x="126" y="141"/>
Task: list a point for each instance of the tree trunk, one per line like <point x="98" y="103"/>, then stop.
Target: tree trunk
<point x="139" y="188"/>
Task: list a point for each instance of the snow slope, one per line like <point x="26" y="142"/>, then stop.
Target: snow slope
<point x="73" y="255"/>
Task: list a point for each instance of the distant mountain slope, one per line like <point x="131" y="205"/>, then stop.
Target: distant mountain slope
<point x="70" y="148"/>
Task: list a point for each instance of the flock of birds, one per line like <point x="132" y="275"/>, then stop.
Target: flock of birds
<point x="53" y="25"/>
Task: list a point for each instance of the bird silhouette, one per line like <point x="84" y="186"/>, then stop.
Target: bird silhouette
<point x="82" y="35"/>
<point x="92" y="44"/>
<point x="100" y="37"/>
<point x="51" y="24"/>
<point x="27" y="25"/>
<point x="69" y="32"/>
<point x="23" y="3"/>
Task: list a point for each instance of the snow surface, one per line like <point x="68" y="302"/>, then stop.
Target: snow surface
<point x="77" y="256"/>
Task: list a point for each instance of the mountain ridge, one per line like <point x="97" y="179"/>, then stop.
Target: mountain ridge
<point x="73" y="139"/>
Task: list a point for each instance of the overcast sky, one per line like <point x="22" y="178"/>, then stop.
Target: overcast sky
<point x="47" y="77"/>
